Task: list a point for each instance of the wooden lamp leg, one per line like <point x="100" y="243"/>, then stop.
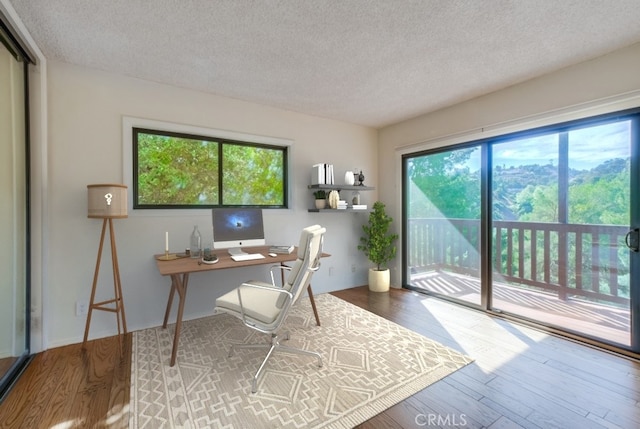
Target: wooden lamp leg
<point x="95" y="282"/>
<point x="117" y="287"/>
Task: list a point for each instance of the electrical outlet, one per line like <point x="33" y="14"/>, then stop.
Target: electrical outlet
<point x="330" y="271"/>
<point x="353" y="268"/>
<point x="81" y="308"/>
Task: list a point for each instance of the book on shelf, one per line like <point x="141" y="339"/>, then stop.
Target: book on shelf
<point x="322" y="174"/>
<point x="359" y="207"/>
<point x="286" y="249"/>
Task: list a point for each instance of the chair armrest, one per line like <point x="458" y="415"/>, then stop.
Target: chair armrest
<point x="289" y="296"/>
<point x="282" y="269"/>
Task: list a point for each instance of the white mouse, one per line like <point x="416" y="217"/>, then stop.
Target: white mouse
<point x="273" y="255"/>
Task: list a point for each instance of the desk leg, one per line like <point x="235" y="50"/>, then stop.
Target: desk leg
<point x="313" y="304"/>
<point x="170" y="301"/>
<point x="181" y="287"/>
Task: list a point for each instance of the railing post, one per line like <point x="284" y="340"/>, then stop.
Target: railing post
<point x="562" y="265"/>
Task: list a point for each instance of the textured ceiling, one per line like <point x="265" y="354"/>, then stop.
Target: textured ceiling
<point x="370" y="62"/>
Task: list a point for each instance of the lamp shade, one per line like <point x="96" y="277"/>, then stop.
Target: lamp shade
<point x="107" y="201"/>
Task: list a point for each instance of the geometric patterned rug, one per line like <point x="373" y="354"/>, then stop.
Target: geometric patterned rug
<point x="369" y="364"/>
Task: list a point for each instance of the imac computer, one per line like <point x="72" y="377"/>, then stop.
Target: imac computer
<point x="234" y="228"/>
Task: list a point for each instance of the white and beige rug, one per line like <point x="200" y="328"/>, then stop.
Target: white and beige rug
<point x="369" y="364"/>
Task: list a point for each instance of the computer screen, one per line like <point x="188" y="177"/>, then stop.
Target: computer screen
<point x="234" y="228"/>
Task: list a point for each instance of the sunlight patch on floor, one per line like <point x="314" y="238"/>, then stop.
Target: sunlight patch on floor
<point x="491" y="341"/>
<point x="75" y="423"/>
<point x="117" y="415"/>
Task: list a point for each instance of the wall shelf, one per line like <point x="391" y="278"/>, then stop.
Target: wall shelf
<point x="354" y="188"/>
<point x="342" y="187"/>
<point x="339" y="210"/>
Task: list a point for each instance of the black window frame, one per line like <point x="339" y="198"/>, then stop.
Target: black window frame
<point x="222" y="142"/>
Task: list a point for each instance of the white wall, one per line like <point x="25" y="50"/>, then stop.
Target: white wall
<point x="85" y="110"/>
<point x="605" y="84"/>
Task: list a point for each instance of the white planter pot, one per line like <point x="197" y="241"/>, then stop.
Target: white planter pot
<point x="320" y="204"/>
<point x="379" y="281"/>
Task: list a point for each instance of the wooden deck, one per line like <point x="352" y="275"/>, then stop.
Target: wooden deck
<point x="608" y="323"/>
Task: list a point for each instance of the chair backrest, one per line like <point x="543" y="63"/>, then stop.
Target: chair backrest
<point x="307" y="262"/>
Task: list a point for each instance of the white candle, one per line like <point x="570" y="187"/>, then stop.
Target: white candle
<point x="166" y="241"/>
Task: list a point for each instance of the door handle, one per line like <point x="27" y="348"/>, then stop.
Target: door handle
<point x="632" y="239"/>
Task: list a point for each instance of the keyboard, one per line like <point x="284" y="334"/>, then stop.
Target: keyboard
<point x="247" y="257"/>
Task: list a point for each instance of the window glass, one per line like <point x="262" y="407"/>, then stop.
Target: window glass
<point x="173" y="170"/>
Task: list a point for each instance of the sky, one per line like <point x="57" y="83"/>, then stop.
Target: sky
<point x="588" y="147"/>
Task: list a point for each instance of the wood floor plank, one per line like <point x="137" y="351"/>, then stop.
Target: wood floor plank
<point x="58" y="408"/>
<point x="118" y="407"/>
<point x="504" y="423"/>
<point x="381" y="421"/>
<point x="509" y="413"/>
<point x="405" y="413"/>
<point x="547" y="413"/>
<point x="23" y="406"/>
<point x="464" y="404"/>
<point x="500" y="401"/>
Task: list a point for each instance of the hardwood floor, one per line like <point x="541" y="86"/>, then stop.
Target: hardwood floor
<point x="68" y="387"/>
<point x="520" y="377"/>
<point x="5" y="364"/>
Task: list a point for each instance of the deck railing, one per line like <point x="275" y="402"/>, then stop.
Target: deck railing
<point x="589" y="261"/>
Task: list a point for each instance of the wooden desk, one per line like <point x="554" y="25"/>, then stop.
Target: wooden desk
<point x="180" y="269"/>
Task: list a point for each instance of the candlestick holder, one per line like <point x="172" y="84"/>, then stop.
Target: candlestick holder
<point x="167" y="256"/>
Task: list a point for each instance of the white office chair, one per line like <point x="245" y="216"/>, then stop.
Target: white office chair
<point x="264" y="307"/>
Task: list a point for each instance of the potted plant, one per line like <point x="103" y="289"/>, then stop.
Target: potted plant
<point x="321" y="198"/>
<point x="379" y="247"/>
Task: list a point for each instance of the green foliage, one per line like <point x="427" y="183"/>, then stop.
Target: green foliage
<point x="444" y="187"/>
<point x="176" y="171"/>
<point x="320" y="194"/>
<point x="538" y="204"/>
<point x="601" y="196"/>
<point x="186" y="171"/>
<point x="513" y="190"/>
<point x="252" y="176"/>
<point x="377" y="244"/>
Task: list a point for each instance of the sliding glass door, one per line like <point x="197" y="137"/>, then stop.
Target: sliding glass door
<point x="14" y="214"/>
<point x="544" y="226"/>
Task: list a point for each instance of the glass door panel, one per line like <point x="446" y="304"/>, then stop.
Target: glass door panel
<point x="442" y="213"/>
<point x="14" y="307"/>
<point x="560" y="212"/>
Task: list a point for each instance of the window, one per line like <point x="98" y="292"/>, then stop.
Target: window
<point x="184" y="170"/>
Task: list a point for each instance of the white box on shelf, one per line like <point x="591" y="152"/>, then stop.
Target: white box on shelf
<point x="318" y="174"/>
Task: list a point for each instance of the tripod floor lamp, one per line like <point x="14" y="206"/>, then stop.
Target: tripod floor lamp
<point x="108" y="202"/>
